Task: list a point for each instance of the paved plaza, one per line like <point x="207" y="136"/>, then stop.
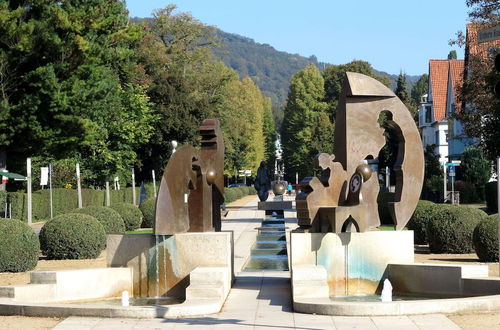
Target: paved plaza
<point x="260" y="300"/>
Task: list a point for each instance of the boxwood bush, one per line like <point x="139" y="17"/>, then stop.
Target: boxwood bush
<point x="131" y="215"/>
<point x="72" y="236"/>
<point x="418" y="222"/>
<point x="19" y="246"/>
<point x="109" y="218"/>
<point x="450" y="228"/>
<point x="485" y="239"/>
<point x="148" y="209"/>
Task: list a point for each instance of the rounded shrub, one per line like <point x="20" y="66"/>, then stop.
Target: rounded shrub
<point x="229" y="195"/>
<point x="19" y="246"/>
<point x="450" y="228"/>
<point x="485" y="239"/>
<point x="131" y="215"/>
<point x="418" y="222"/>
<point x="72" y="236"/>
<point x="109" y="218"/>
<point x="148" y="209"/>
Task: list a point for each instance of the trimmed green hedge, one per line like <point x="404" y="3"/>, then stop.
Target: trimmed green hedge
<point x="72" y="236"/>
<point x="19" y="246"/>
<point x="109" y="218"/>
<point x="383" y="208"/>
<point x="485" y="239"/>
<point x="424" y="212"/>
<point x="148" y="208"/>
<point x="491" y="194"/>
<point x="450" y="228"/>
<point x="130" y="214"/>
<point x="232" y="194"/>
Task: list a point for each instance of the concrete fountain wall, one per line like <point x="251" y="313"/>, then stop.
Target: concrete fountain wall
<point x="162" y="264"/>
<point x="354" y="262"/>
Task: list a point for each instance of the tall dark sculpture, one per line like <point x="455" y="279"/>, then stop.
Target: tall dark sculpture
<point x="192" y="186"/>
<point x="262" y="183"/>
<point x="346" y="196"/>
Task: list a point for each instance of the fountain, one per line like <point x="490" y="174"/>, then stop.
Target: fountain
<point x="184" y="268"/>
<point x="339" y="261"/>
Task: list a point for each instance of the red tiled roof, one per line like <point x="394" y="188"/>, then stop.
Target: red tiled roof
<point x="438" y="77"/>
<point x="457" y="76"/>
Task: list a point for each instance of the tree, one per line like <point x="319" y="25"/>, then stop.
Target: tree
<point x="475" y="168"/>
<point x="304" y="105"/>
<point x="452" y="55"/>
<point x="69" y="84"/>
<point x="402" y="92"/>
<point x="269" y="132"/>
<point x="420" y="88"/>
<point x="480" y="111"/>
<point x="433" y="178"/>
<point x="334" y="79"/>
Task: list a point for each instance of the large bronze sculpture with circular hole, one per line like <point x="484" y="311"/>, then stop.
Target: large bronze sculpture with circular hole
<point x="345" y="198"/>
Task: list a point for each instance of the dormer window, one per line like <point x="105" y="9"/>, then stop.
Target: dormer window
<point x="428" y="114"/>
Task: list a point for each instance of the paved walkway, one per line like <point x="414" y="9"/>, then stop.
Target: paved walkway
<point x="260" y="300"/>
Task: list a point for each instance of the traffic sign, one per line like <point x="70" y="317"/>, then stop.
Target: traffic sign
<point x="452" y="164"/>
<point x="456" y="161"/>
<point x="451" y="171"/>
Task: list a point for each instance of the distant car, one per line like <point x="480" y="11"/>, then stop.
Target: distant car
<point x="234" y="185"/>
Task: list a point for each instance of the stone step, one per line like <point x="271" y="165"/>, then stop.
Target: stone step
<point x="274" y="262"/>
<point x="207" y="275"/>
<point x="270" y="245"/>
<point x="271" y="237"/>
<point x="267" y="252"/>
<point x="271" y="232"/>
<point x="273" y="222"/>
<point x="204" y="291"/>
<point x="29" y="292"/>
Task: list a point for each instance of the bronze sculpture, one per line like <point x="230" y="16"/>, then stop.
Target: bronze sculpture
<point x="192" y="186"/>
<point x="262" y="183"/>
<point x="334" y="204"/>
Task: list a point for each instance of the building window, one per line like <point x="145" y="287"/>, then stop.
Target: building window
<point x="428" y="114"/>
<point x="446" y="135"/>
<point x="437" y="138"/>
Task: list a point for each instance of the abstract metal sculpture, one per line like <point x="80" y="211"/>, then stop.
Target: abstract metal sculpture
<point x="334" y="204"/>
<point x="192" y="186"/>
<point x="262" y="183"/>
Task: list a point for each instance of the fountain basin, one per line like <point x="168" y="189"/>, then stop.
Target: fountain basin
<point x="322" y="266"/>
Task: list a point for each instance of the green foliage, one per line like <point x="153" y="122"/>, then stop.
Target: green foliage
<point x="420" y="88"/>
<point x="232" y="194"/>
<point x="304" y="106"/>
<point x="433" y="178"/>
<point x="19" y="246"/>
<point x="71" y="91"/>
<point x="270" y="134"/>
<point x="475" y="170"/>
<point x="401" y="91"/>
<point x="485" y="239"/>
<point x="334" y="79"/>
<point x="130" y="214"/>
<point x="491" y="193"/>
<point x="450" y="229"/>
<point x="109" y="218"/>
<point x="383" y="199"/>
<point x="148" y="209"/>
<point x="424" y="212"/>
<point x="72" y="236"/>
<point x="452" y="55"/>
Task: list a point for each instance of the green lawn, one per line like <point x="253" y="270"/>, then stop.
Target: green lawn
<point x="140" y="231"/>
<point x="389" y="227"/>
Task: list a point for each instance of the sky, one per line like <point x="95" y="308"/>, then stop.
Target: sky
<point x="393" y="35"/>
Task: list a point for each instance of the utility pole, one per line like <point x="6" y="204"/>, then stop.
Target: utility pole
<point x="50" y="191"/>
<point x="28" y="177"/>
<point x="108" y="200"/>
<point x="154" y="182"/>
<point x="133" y="187"/>
<point x="444" y="182"/>
<point x="79" y="186"/>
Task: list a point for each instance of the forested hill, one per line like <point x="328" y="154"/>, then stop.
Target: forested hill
<point x="271" y="69"/>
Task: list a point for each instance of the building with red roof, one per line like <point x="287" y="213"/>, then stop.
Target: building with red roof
<point x="445" y="76"/>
